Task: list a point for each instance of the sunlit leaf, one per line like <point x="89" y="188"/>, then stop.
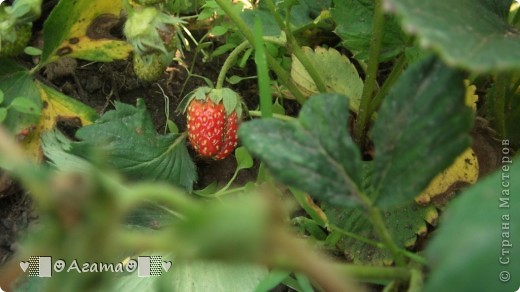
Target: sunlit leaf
<point x="338" y="73"/>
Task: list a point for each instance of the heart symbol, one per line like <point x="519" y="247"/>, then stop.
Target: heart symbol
<point x="166" y="265"/>
<point x="24" y="266"/>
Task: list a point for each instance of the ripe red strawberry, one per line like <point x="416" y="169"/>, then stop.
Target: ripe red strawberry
<point x="212" y="129"/>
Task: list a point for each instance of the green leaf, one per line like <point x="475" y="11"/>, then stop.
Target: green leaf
<point x="218" y="30"/>
<point x="513" y="120"/>
<point x="422" y="126"/>
<point x="234" y="79"/>
<point x="406" y="224"/>
<point x="278" y="108"/>
<point x="218" y="277"/>
<point x="150" y="215"/>
<point x="310" y="227"/>
<point x="25" y="105"/>
<point x="307" y="12"/>
<point x="32" y="51"/>
<point x="58" y="108"/>
<point x="305" y="283"/>
<point x="215" y="276"/>
<point x="172" y="127"/>
<point x="354" y="27"/>
<point x="475" y="234"/>
<point x="310" y="207"/>
<point x="128" y="136"/>
<point x="56" y="148"/>
<point x="1" y="96"/>
<point x="222" y="49"/>
<point x="273" y="279"/>
<point x="470" y="33"/>
<point x="81" y="29"/>
<point x="244" y="159"/>
<point x="269" y="25"/>
<point x="16" y="81"/>
<point x="208" y="190"/>
<point x="232" y="229"/>
<point x="304" y="14"/>
<point x="230" y="99"/>
<point x="313" y="154"/>
<point x="3" y="114"/>
<point x="339" y="74"/>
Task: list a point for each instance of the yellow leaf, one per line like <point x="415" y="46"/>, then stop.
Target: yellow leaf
<point x="81" y="29"/>
<point x="56" y="107"/>
<point x="464" y="169"/>
<point x="338" y="73"/>
<point x="471" y="97"/>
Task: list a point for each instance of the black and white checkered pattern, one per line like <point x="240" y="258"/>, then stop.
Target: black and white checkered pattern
<point x="34" y="266"/>
<point x="155" y="265"/>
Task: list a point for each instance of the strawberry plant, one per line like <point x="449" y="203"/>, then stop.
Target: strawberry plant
<point x="328" y="145"/>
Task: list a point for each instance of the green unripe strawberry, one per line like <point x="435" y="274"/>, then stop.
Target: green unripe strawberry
<point x="150" y="30"/>
<point x="13" y="42"/>
<point x="148" y="68"/>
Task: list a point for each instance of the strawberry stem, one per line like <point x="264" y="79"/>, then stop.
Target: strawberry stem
<point x="230" y="61"/>
<point x="296" y="50"/>
<point x="276" y="116"/>
<point x="284" y="78"/>
<point x="362" y="120"/>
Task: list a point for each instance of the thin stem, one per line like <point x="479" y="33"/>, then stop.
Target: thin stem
<point x="35" y="69"/>
<point x="356" y="237"/>
<point x="389" y="82"/>
<point x="297" y="51"/>
<point x="228" y="184"/>
<point x="276" y="116"/>
<point x="370" y="79"/>
<point x="192" y="65"/>
<point x="278" y="70"/>
<point x="227" y="192"/>
<point x="231" y="59"/>
<point x="264" y="81"/>
<point x="416" y="281"/>
<point x="377" y="220"/>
